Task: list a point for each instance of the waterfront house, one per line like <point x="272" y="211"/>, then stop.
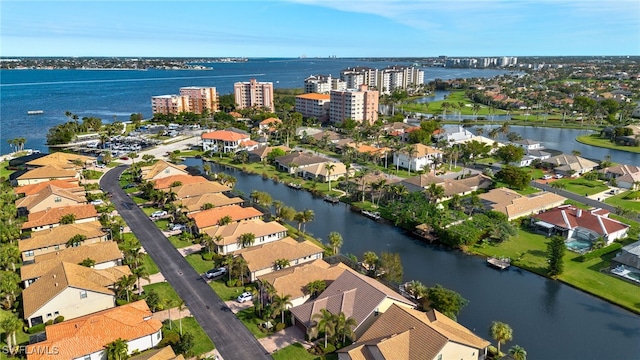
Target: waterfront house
<point x="46" y="219"/>
<point x="292" y="280"/>
<point x="629" y="256"/>
<point x="162" y="169"/>
<point x="261" y="153"/>
<point x="72" y="186"/>
<point x="294" y="163"/>
<point x="86" y="337"/>
<point x="49" y="197"/>
<point x="419" y="157"/>
<point x="230" y="234"/>
<point x="196" y="203"/>
<point x="227" y="141"/>
<point x="54" y="239"/>
<point x="454" y="135"/>
<point x="47" y="173"/>
<point x="357" y="296"/>
<point x="574" y="223"/>
<point x="261" y="259"/>
<point x="569" y="165"/>
<point x="206" y="219"/>
<point x="515" y="205"/>
<point x="404" y="333"/>
<point x="451" y="187"/>
<point x="62" y="160"/>
<point x="627" y="176"/>
<point x="71" y="291"/>
<point x="320" y="172"/>
<point x="185" y="191"/>
<point x="104" y="255"/>
<point x="528" y="144"/>
<point x="174" y="180"/>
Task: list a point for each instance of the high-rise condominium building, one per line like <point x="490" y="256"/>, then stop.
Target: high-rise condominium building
<point x="170" y="104"/>
<point x="201" y="98"/>
<point x="385" y="80"/>
<point x="323" y="84"/>
<point x="314" y="105"/>
<point x="254" y="94"/>
<point x="359" y="104"/>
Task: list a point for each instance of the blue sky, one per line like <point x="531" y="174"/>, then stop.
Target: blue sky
<point x="344" y="28"/>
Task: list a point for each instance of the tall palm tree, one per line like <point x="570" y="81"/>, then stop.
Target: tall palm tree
<point x="344" y="326"/>
<point x="501" y="332"/>
<point x="10" y="325"/>
<point x="246" y="240"/>
<point x="325" y="322"/>
<point x="435" y="192"/>
<point x="140" y="273"/>
<point x="371" y="260"/>
<point x="315" y="287"/>
<point x="307" y="216"/>
<point x="241" y="266"/>
<point x="124" y="284"/>
<point x="336" y="241"/>
<point x="281" y="263"/>
<point x="517" y="352"/>
<point x="329" y="167"/>
<point x="280" y="304"/>
<point x="117" y="350"/>
<point x="181" y="308"/>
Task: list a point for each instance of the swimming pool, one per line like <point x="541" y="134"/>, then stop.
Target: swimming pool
<point x="579" y="246"/>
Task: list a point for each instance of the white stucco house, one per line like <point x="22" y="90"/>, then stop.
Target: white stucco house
<point x="418" y="158"/>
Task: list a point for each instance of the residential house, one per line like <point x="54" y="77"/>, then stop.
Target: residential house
<point x="268" y="126"/>
<point x="294" y="163"/>
<point x="293" y="280"/>
<point x="196" y="189"/>
<point x="476" y="182"/>
<point x="50" y="218"/>
<point x="63" y="160"/>
<point x="357" y="296"/>
<point x="493" y="145"/>
<point x="206" y="219"/>
<point x="629" y="256"/>
<point x="104" y="255"/>
<point x="195" y="203"/>
<point x="162" y="169"/>
<point x="227" y="141"/>
<point x="532" y="156"/>
<point x="86" y="337"/>
<point x="261" y="153"/>
<point x="49" y="197"/>
<point x="230" y="234"/>
<point x="528" y="144"/>
<point x="451" y="187"/>
<point x="55" y="239"/>
<point x="47" y="173"/>
<point x="575" y="223"/>
<point x="72" y="186"/>
<point x="404" y="333"/>
<point x="261" y="259"/>
<point x="169" y="181"/>
<point x="514" y="205"/>
<point x="570" y="165"/>
<point x="326" y="137"/>
<point x="419" y="157"/>
<point x="320" y="172"/>
<point x="627" y="176"/>
<point x="454" y="135"/>
<point x="71" y="291"/>
<point x="305" y="131"/>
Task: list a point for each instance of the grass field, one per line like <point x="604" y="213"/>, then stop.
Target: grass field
<point x="582" y="186"/>
<point x="150" y="265"/>
<point x="618" y="200"/>
<point x="200" y="265"/>
<point x="596" y="140"/>
<point x="201" y="342"/>
<point x="227" y="293"/>
<point x="175" y="239"/>
<point x="528" y="251"/>
<point x="298" y="352"/>
<point x="251" y="321"/>
<point x="4" y="172"/>
<point x="165" y="292"/>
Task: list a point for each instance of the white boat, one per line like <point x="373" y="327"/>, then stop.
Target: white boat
<point x="35" y="112"/>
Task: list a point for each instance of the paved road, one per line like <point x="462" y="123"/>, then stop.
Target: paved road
<point x="232" y="339"/>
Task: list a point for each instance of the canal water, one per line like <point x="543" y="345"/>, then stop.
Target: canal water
<point x="549" y="319"/>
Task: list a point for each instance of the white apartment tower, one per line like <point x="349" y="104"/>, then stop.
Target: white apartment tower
<point x="322" y="84"/>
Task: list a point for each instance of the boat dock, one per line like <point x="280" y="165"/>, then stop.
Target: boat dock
<point x="374" y="215"/>
<point x="331" y="199"/>
<point x="499" y="263"/>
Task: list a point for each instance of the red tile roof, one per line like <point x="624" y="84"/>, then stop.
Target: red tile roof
<point x="35" y="188"/>
<point x="207" y="218"/>
<point x="569" y="217"/>
<point x="224" y="135"/>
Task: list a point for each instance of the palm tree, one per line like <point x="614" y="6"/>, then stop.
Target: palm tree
<point x="307" y="216"/>
<point x="435" y="192"/>
<point x="168" y="303"/>
<point x="371" y="260"/>
<point x="181" y="308"/>
<point x="10" y="325"/>
<point x="76" y="240"/>
<point x="117" y="350"/>
<point x="67" y="219"/>
<point x="140" y="273"/>
<point x="344" y="326"/>
<point x="246" y="240"/>
<point x="280" y="304"/>
<point x="329" y="167"/>
<point x="325" y="322"/>
<point x="281" y="263"/>
<point x="125" y="283"/>
<point x="241" y="266"/>
<point x="335" y="240"/>
<point x="225" y="220"/>
<point x="501" y="332"/>
<point x="517" y="352"/>
<point x="315" y="287"/>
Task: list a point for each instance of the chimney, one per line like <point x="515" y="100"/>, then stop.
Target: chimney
<point x="579" y="213"/>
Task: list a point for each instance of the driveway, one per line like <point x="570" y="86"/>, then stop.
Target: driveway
<point x="284" y="338"/>
<point x="230" y="336"/>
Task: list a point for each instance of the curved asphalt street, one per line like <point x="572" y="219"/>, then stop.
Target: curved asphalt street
<point x="232" y="339"/>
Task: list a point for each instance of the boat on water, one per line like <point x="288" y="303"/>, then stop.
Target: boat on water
<point x="499" y="263"/>
<point x="374" y="215"/>
<point x="35" y="112"/>
<point x="331" y="199"/>
<point x="294" y="186"/>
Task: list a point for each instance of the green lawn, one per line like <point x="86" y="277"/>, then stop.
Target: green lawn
<point x="618" y="200"/>
<point x="596" y="140"/>
<point x="165" y="291"/>
<point x="226" y="293"/>
<point x="251" y="321"/>
<point x="201" y="342"/>
<point x="4" y="172"/>
<point x="528" y="251"/>
<point x="92" y="174"/>
<point x="198" y="263"/>
<point x="582" y="186"/>
<point x="21" y="336"/>
<point x="298" y="352"/>
<point x="150" y="265"/>
<point x="175" y="239"/>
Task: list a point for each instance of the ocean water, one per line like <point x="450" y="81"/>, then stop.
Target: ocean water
<point x="113" y="95"/>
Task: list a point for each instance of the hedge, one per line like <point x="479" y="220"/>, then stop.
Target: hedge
<point x="599" y="252"/>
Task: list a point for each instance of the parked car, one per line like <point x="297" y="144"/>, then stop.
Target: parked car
<point x="97" y="202"/>
<point x="213" y="273"/>
<point x="559" y="176"/>
<point x="101" y="166"/>
<point x="245" y="296"/>
<point x="129" y="186"/>
<point x="547" y="177"/>
<point x="176" y="227"/>
<point x="157" y="214"/>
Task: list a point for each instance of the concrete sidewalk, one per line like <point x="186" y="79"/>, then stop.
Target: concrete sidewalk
<point x="175" y="314"/>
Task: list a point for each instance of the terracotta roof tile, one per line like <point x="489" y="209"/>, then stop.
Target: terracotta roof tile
<point x="52" y="216"/>
<point x="315" y="96"/>
<point x="231" y="232"/>
<point x="599" y="224"/>
<point x="71" y="185"/>
<point x="195" y="203"/>
<point x="88" y="334"/>
<point x="150" y="172"/>
<point x="225" y="135"/>
<point x="60" y="235"/>
<point x="197" y="189"/>
<point x="61" y="158"/>
<point x="208" y="218"/>
<point x="31" y="201"/>
<point x="263" y="256"/>
<point x="165" y="183"/>
<point x="270" y="120"/>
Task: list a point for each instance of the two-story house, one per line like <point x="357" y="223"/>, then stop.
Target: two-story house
<point x="417" y="157"/>
<point x="229" y="235"/>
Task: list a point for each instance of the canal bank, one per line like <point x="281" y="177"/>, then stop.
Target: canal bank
<point x="551" y="320"/>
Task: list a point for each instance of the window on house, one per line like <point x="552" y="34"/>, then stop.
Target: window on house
<point x="49" y="315"/>
<point x="87" y="357"/>
<point x="56" y="313"/>
<point x="28" y="253"/>
<point x="158" y="335"/>
<point x="83" y="294"/>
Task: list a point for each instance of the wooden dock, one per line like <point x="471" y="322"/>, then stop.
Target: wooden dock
<point x="499" y="263"/>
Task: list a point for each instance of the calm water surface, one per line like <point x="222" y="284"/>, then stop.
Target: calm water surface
<point x="549" y="319"/>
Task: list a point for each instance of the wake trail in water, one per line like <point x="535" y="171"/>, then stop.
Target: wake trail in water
<point x="128" y="80"/>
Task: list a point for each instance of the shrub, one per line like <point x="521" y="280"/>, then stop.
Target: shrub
<point x="599" y="252"/>
<point x="280" y="326"/>
<point x="121" y="302"/>
<point x="49" y="322"/>
<point x="169" y="338"/>
<point x="58" y="319"/>
<point x="265" y="175"/>
<point x="36" y="329"/>
<point x="207" y="256"/>
<point x="231" y="283"/>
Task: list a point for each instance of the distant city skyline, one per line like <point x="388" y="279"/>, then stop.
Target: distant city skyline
<point x="320" y="28"/>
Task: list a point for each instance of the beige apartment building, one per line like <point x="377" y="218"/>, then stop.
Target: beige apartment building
<point x="169" y="104"/>
<point x="254" y="94"/>
<point x="359" y="104"/>
<point x="201" y="98"/>
<point x="314" y="105"/>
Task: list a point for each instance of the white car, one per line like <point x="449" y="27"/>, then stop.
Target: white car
<point x="213" y="273"/>
<point x="97" y="202"/>
<point x="176" y="227"/>
<point x="245" y="296"/>
<point x="559" y="176"/>
<point x="157" y="214"/>
<point x="547" y="177"/>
